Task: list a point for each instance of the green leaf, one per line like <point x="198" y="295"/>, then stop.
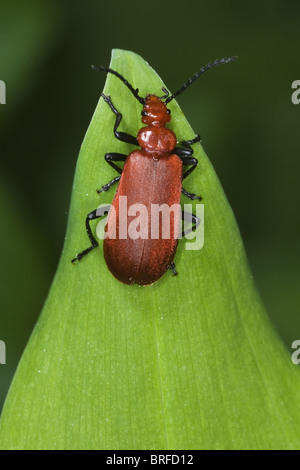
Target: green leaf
<point x="190" y="362"/>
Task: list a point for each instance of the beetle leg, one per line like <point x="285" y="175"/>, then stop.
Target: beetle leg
<point x="189" y="161"/>
<point x="193" y="162"/>
<point x="191" y="196"/>
<point x="186" y="154"/>
<point x="110" y="158"/>
<point x="187" y="150"/>
<point x="108" y="185"/>
<point x="91" y="216"/>
<point x="192" y="218"/>
<point x="172" y="267"/>
<point x="123" y="136"/>
<point x="188" y="143"/>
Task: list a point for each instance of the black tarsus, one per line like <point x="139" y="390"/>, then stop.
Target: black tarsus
<point x="173" y="269"/>
<point x="166" y="93"/>
<point x="108" y="185"/>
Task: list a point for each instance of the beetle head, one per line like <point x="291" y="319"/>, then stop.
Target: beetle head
<point x="155" y="112"/>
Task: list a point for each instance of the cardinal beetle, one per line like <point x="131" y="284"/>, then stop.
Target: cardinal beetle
<point x="151" y="175"/>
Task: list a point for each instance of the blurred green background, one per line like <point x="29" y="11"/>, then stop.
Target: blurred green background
<point x="243" y="111"/>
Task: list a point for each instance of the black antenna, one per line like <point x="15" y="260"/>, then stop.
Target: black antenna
<point x="101" y="68"/>
<point x="200" y="72"/>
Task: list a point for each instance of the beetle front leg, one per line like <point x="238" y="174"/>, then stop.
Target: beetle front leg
<point x="110" y="158"/>
<point x="193" y="162"/>
<point x="188" y="143"/>
<point x="187" y="151"/>
<point x="123" y="136"/>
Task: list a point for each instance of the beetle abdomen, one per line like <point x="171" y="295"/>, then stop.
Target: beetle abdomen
<point x="143" y="224"/>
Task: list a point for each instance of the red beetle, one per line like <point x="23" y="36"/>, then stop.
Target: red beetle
<point x="151" y="177"/>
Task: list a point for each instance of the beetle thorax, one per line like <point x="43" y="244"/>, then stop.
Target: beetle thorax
<point x="158" y="140"/>
<point x="155" y="137"/>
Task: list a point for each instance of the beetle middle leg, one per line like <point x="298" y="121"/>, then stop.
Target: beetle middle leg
<point x="108" y="185"/>
<point x="96" y="214"/>
<point x="110" y="158"/>
<point x="185" y="155"/>
<point x="193" y="162"/>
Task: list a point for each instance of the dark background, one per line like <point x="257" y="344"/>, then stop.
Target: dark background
<point x="249" y="127"/>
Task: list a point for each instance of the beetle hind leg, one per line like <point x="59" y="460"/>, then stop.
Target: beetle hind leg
<point x="191" y="196"/>
<point x="96" y="214"/>
<point x="190" y="218"/>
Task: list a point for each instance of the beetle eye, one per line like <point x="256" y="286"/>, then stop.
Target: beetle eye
<point x="168" y="111"/>
<point x="144" y="113"/>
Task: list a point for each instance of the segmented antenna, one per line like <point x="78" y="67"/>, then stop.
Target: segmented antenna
<point x="101" y="68"/>
<point x="225" y="60"/>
